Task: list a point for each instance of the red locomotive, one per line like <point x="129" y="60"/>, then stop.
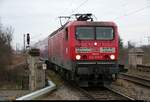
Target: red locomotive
<point x="85" y="51"/>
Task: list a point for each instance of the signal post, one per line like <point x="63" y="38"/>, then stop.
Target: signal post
<point x="37" y="77"/>
<point x="36" y="70"/>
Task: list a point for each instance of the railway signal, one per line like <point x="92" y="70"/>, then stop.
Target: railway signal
<point x="24" y="42"/>
<point x="28" y="40"/>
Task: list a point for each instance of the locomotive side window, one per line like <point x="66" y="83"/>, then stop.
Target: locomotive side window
<point x="85" y="33"/>
<point x="104" y="33"/>
<point x="66" y="34"/>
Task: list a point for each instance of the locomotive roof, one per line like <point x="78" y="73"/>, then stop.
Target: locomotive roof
<point x="88" y="23"/>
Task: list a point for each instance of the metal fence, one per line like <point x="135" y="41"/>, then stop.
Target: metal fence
<point x="144" y="68"/>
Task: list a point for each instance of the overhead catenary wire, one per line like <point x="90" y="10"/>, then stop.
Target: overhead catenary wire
<point x="133" y="12"/>
<point x="69" y="17"/>
<point x="59" y="17"/>
<point x="69" y="5"/>
<point x="119" y="17"/>
<point x="56" y="18"/>
<point x="79" y="6"/>
<point x="85" y="1"/>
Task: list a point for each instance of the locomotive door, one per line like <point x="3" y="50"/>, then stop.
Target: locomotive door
<point x="66" y="48"/>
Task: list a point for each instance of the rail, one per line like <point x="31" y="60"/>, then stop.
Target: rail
<point x="86" y="93"/>
<point x="135" y="79"/>
<point x="145" y="68"/>
<point x="92" y="96"/>
<point x="117" y="92"/>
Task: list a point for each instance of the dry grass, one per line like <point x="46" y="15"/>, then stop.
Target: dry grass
<point x="132" y="90"/>
<point x="54" y="77"/>
<point x="13" y="75"/>
<point x="10" y="86"/>
<point x="18" y="58"/>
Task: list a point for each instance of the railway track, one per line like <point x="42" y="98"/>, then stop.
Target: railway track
<point x="104" y="94"/>
<point x="119" y="93"/>
<point x="135" y="79"/>
<point x="101" y="93"/>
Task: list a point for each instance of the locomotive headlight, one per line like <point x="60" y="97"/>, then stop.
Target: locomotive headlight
<point x="78" y="57"/>
<point x="112" y="57"/>
<point x="95" y="43"/>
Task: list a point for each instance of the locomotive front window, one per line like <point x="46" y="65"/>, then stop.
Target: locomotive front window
<point x="85" y="33"/>
<point x="104" y="33"/>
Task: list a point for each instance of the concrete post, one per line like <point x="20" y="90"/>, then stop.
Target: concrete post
<point x="37" y="73"/>
<point x="135" y="57"/>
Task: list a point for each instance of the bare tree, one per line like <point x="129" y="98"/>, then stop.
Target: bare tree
<point x="5" y="46"/>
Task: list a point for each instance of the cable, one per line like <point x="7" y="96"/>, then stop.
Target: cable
<point x="141" y="9"/>
<point x="79" y="6"/>
<point x="70" y="4"/>
<point x="75" y="8"/>
<point x="59" y="17"/>
<point x="95" y="17"/>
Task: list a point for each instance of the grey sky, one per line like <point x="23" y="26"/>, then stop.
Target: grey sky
<point x="39" y="17"/>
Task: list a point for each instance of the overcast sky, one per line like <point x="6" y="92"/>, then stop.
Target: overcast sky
<point x="40" y="17"/>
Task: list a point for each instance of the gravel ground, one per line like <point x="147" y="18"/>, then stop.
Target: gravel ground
<point x="12" y="94"/>
<point x="62" y="93"/>
<point x="67" y="93"/>
<point x="133" y="90"/>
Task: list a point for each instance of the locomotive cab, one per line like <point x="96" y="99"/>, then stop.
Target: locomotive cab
<point x="94" y="51"/>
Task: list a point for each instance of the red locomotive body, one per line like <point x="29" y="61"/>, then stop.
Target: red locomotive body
<point x="85" y="51"/>
<point x="94" y="47"/>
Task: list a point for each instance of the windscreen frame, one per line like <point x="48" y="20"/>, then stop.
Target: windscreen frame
<point x="114" y="31"/>
<point x="106" y="28"/>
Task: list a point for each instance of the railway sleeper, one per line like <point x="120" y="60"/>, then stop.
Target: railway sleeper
<point x="92" y="80"/>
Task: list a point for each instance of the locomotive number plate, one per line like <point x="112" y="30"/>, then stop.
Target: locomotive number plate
<point x="107" y="50"/>
<point x="82" y="50"/>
